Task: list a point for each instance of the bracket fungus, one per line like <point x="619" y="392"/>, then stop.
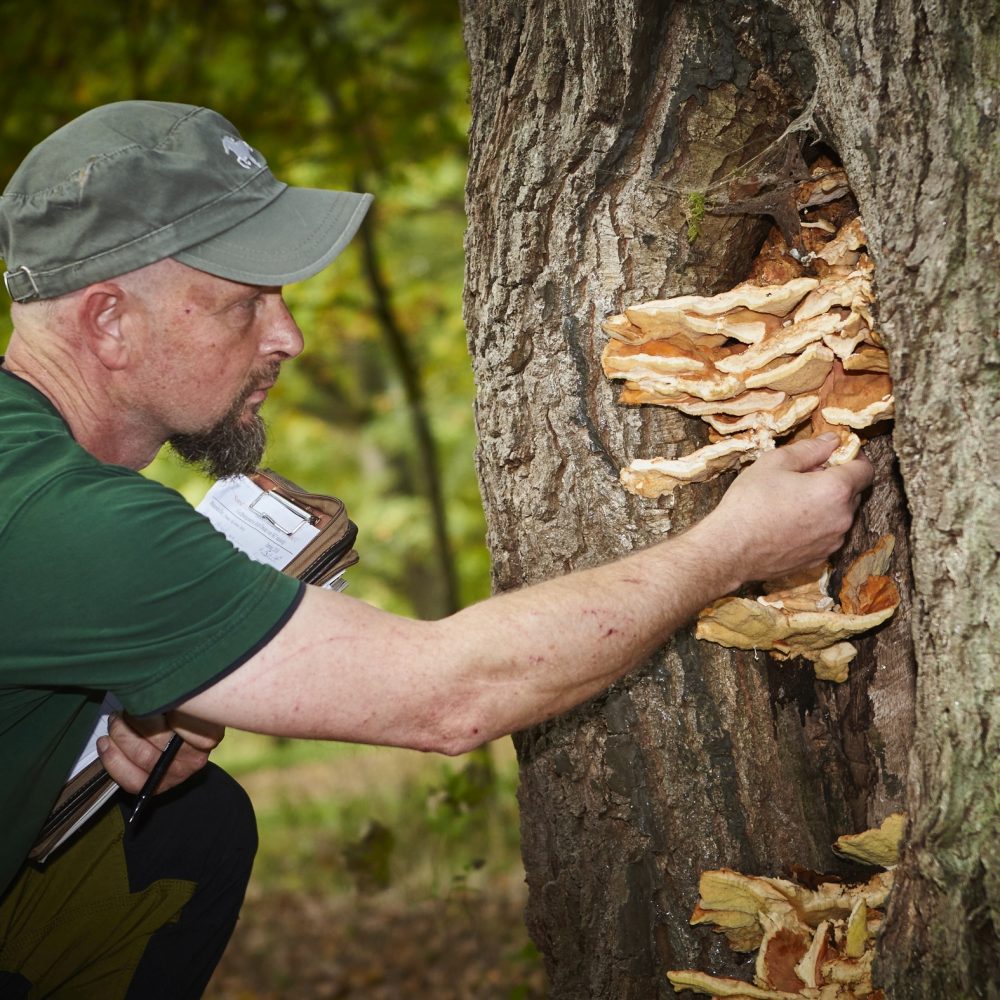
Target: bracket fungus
<point x="791" y="352"/>
<point x="797" y="617"/>
<point x="875" y="847"/>
<point x="799" y="330"/>
<point x="814" y="943"/>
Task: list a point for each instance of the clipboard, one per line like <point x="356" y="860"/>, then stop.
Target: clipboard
<point x="79" y="799"/>
<point x="331" y="551"/>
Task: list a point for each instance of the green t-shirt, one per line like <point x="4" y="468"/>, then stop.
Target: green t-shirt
<point x="110" y="582"/>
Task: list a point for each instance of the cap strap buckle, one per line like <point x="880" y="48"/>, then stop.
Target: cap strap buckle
<point x="17" y="288"/>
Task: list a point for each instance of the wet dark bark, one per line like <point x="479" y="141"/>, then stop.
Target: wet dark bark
<point x="593" y="124"/>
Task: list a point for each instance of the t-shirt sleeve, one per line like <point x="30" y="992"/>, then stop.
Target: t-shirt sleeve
<point x="122" y="586"/>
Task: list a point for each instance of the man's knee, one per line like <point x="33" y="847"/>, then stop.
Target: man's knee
<point x="203" y="829"/>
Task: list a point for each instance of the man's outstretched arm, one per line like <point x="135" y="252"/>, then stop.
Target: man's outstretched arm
<point x="341" y="669"/>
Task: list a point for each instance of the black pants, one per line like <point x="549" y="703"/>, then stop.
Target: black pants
<point x="137" y="915"/>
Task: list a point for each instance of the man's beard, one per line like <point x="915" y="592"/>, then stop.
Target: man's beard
<point x="235" y="445"/>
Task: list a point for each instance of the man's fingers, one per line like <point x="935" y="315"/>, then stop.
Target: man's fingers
<point x="809" y="455"/>
<point x="133" y="746"/>
<point x="130" y="776"/>
<point x="857" y="474"/>
<point x="802" y="456"/>
<point x="787" y="509"/>
<point x="197" y="733"/>
<point x="141" y="746"/>
<point x="158" y="729"/>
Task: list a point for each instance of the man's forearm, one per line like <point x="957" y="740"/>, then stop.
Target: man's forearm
<point x="571" y="637"/>
<point x="562" y="641"/>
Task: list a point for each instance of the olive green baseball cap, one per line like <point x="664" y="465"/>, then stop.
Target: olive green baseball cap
<point x="131" y="183"/>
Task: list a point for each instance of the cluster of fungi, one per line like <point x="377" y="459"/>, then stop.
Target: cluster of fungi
<point x="790" y="352"/>
<point x="815" y="943"/>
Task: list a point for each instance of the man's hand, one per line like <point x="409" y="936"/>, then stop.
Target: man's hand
<point x="785" y="512"/>
<point x="133" y="746"/>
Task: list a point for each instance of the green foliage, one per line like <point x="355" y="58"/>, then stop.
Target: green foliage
<point x="336" y="94"/>
<point x="695" y="214"/>
<point x="340" y="818"/>
<point x="464" y="790"/>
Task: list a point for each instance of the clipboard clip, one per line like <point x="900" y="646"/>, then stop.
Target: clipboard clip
<point x="281" y="513"/>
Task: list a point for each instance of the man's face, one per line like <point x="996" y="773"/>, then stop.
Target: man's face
<point x="214" y="350"/>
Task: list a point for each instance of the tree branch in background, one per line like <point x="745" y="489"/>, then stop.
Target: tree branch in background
<point x="312" y="30"/>
<point x="409" y="373"/>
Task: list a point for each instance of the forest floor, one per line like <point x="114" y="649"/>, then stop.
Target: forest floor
<point x="381" y="875"/>
<point x="307" y="946"/>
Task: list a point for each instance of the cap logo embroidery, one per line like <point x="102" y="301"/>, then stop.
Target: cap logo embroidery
<point x="244" y="154"/>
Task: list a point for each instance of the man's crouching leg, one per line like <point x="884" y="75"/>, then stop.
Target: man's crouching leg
<point x="137" y="914"/>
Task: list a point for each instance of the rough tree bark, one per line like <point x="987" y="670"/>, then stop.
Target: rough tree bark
<point x="911" y="93"/>
<point x="593" y="124"/>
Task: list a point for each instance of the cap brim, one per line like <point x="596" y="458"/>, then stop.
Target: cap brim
<point x="294" y="237"/>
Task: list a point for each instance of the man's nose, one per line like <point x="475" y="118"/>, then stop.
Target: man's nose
<point x="282" y="335"/>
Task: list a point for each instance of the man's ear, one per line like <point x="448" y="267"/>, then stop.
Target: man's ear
<point x="103" y="316"/>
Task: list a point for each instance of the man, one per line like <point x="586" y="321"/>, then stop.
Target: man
<point x="146" y="247"/>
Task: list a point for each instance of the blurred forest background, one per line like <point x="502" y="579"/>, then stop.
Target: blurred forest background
<point x="381" y="873"/>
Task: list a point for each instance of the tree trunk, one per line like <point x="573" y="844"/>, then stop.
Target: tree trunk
<point x="593" y="126"/>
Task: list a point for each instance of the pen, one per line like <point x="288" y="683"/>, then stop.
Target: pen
<point x="155" y="776"/>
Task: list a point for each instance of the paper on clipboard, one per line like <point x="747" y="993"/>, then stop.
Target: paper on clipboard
<point x="89" y="753"/>
<point x="266" y="527"/>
